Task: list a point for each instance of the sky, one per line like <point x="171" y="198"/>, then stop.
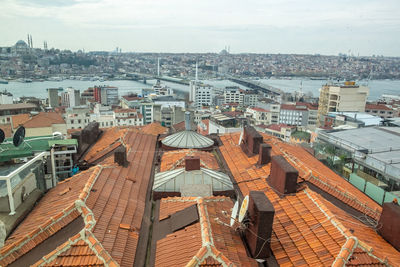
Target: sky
<point x="358" y="27"/>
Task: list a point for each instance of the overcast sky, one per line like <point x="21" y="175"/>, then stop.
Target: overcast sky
<point x="363" y="27"/>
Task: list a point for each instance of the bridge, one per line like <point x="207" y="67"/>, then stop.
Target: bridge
<point x="257" y="86"/>
<point x="140" y="77"/>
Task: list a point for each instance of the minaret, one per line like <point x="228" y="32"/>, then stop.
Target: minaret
<point x="196" y="74"/>
<point x="158" y="67"/>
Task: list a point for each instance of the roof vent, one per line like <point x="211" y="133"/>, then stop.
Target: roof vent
<point x="389" y="222"/>
<point x="264" y="156"/>
<point x="120" y="156"/>
<point x="251" y="141"/>
<point x="187" y="121"/>
<point x="261" y="215"/>
<point x="192" y="163"/>
<point x="283" y="177"/>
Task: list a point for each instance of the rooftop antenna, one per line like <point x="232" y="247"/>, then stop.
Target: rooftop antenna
<point x="19" y="136"/>
<point x="234" y="213"/>
<point x="2" y="136"/>
<point x="243" y="208"/>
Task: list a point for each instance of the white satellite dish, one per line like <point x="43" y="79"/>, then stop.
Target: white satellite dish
<point x="57" y="134"/>
<point x="243" y="208"/>
<point x="234" y="212"/>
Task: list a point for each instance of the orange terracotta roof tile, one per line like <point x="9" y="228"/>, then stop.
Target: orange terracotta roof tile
<point x="305" y="231"/>
<point x="209" y="242"/>
<point x="107" y="197"/>
<point x="54" y="211"/>
<point x="19" y="119"/>
<point x="154" y="128"/>
<point x="44" y="119"/>
<point x="7" y="129"/>
<point x="176" y="159"/>
<point x="109" y="140"/>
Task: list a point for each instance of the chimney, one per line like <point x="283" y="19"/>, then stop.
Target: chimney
<point x="389" y="224"/>
<point x="264" y="156"/>
<point x="251" y="141"/>
<point x="187" y="121"/>
<point x="192" y="163"/>
<point x="261" y="214"/>
<point x="120" y="156"/>
<point x="283" y="177"/>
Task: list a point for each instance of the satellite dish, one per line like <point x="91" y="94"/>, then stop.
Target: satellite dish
<point x="2" y="136"/>
<point x="19" y="136"/>
<point x="57" y="134"/>
<point x="234" y="212"/>
<point x="243" y="208"/>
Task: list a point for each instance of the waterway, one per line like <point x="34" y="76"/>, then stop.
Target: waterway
<point x="38" y="89"/>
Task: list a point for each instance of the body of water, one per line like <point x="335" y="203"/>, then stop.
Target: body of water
<point x="38" y="89"/>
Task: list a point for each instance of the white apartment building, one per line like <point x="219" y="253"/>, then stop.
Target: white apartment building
<point x="201" y="94"/>
<point x="258" y="116"/>
<point x="70" y="98"/>
<point x="233" y="94"/>
<point x="128" y="117"/>
<point x="77" y="117"/>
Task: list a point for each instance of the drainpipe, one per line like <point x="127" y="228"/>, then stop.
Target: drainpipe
<point x="53" y="166"/>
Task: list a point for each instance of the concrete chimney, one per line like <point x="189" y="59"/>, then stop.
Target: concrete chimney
<point x="389" y="224"/>
<point x="187" y="121"/>
<point x="192" y="163"/>
<point x="283" y="177"/>
<point x="120" y="156"/>
<point x="261" y="215"/>
<point x="264" y="156"/>
<point x="251" y="141"/>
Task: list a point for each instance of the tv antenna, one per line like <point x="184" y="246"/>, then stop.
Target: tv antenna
<point x="243" y="208"/>
<point x="19" y="136"/>
<point x="234" y="213"/>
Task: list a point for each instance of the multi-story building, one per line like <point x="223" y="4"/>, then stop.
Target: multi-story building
<point x="201" y="94"/>
<point x="380" y="110"/>
<point x="341" y="98"/>
<point x="106" y="95"/>
<point x="70" y="98"/>
<point x="233" y="94"/>
<point x="128" y="117"/>
<point x="293" y="115"/>
<point x="6" y="98"/>
<point x="258" y="116"/>
<point x="53" y="98"/>
<point x="273" y="107"/>
<point x="77" y="117"/>
<point x="250" y="99"/>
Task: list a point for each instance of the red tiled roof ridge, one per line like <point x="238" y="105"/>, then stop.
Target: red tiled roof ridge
<point x="313" y="177"/>
<point x="52" y="223"/>
<point x="352" y="241"/>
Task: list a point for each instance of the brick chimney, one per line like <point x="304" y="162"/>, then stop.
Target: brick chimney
<point x="264" y="156"/>
<point x="251" y="141"/>
<point x="283" y="177"/>
<point x="192" y="163"/>
<point x="389" y="224"/>
<point x="120" y="156"/>
<point x="261" y="215"/>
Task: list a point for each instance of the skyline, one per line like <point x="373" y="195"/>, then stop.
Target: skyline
<point x="362" y="28"/>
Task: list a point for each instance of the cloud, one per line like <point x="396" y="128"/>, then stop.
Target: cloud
<point x="224" y="21"/>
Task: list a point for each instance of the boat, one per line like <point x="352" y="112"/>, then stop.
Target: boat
<point x="3" y="81"/>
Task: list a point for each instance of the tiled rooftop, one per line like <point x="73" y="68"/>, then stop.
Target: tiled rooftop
<point x="109" y="140"/>
<point x="306" y="232"/>
<point x="110" y="199"/>
<point x="44" y="119"/>
<point x="208" y="242"/>
<point x="154" y="128"/>
<point x="176" y="159"/>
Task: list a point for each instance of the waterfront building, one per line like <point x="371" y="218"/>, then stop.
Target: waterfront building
<point x="70" y="98"/>
<point x="6" y="98"/>
<point x="381" y="110"/>
<point x="341" y="98"/>
<point x="53" y="98"/>
<point x="200" y="94"/>
<point x="106" y="95"/>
